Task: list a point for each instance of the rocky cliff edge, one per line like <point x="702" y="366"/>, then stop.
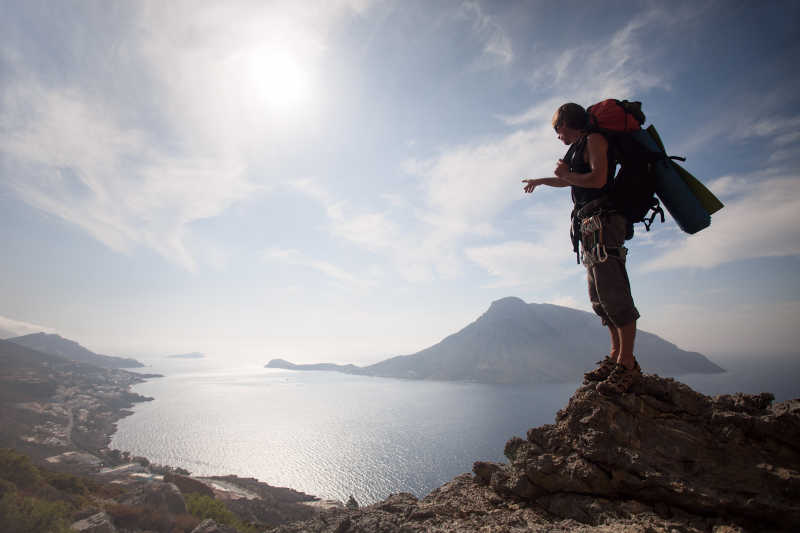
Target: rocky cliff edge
<point x="659" y="458"/>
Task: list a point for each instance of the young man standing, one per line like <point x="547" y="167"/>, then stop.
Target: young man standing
<point x="589" y="171"/>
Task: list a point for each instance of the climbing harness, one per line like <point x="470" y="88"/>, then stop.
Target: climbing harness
<point x="593" y="247"/>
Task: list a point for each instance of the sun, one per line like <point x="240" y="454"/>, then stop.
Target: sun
<point x="276" y="79"/>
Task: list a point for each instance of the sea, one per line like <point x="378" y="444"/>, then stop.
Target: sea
<point x="335" y="435"/>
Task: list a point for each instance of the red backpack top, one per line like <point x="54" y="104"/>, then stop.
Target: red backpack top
<point x="615" y="115"/>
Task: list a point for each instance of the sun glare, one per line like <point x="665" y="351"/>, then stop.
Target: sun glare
<point x="277" y="80"/>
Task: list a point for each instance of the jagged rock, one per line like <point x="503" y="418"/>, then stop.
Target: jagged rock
<point x="189" y="485"/>
<point x="352" y="503"/>
<point x="210" y="526"/>
<point x="161" y="496"/>
<point x="463" y="505"/>
<point x="97" y="523"/>
<point x="734" y="456"/>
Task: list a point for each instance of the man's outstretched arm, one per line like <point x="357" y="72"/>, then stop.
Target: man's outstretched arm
<point x="530" y="185"/>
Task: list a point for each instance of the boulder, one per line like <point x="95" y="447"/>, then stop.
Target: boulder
<point x="188" y="485"/>
<point x="159" y="495"/>
<point x="210" y="526"/>
<point x="662" y="444"/>
<point x="97" y="523"/>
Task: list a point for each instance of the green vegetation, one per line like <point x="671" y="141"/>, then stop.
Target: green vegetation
<point x="28" y="503"/>
<point x="24" y="514"/>
<point x="35" y="500"/>
<point x="146" y="518"/>
<point x="203" y="507"/>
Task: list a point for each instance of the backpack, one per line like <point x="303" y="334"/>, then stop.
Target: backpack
<point x="633" y="190"/>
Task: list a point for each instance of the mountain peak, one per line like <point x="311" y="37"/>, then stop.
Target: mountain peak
<point x="508" y="300"/>
<point x="507" y="304"/>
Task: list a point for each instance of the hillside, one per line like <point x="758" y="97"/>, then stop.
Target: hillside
<point x="515" y="343"/>
<point x="50" y="343"/>
<point x="49" y="404"/>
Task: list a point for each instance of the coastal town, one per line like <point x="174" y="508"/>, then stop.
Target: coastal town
<point x="62" y="414"/>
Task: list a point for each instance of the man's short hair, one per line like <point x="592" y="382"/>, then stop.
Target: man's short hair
<point x="570" y="115"/>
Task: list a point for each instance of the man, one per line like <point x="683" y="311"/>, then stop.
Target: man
<point x="589" y="171"/>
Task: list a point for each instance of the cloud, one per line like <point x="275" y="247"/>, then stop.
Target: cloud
<point x="761" y="221"/>
<point x="467" y="186"/>
<point x="620" y="66"/>
<point x="373" y="230"/>
<point x="415" y="247"/>
<point x="331" y="271"/>
<point x="15" y="328"/>
<point x="520" y="263"/>
<point x="133" y="155"/>
<point x="74" y="158"/>
<point x="497" y="48"/>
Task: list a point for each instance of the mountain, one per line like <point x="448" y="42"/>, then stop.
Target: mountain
<point x="515" y="343"/>
<point x="56" y="345"/>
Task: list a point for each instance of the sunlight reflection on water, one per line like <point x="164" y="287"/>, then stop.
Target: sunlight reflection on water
<point x="333" y="435"/>
<point x="329" y="434"/>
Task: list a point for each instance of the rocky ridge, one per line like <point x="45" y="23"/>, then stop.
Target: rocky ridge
<point x="659" y="458"/>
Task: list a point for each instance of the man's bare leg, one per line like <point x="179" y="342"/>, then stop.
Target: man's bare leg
<point x="626" y="336"/>
<point x="615" y="342"/>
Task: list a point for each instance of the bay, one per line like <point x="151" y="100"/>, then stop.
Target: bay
<point x="335" y="435"/>
<point x="329" y="434"/>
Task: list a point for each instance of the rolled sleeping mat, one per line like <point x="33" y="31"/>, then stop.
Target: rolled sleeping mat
<point x="710" y="202"/>
<point x="673" y="192"/>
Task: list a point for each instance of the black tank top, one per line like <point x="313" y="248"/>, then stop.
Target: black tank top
<point x="577" y="164"/>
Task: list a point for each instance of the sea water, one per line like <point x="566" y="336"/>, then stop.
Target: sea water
<point x="335" y="435"/>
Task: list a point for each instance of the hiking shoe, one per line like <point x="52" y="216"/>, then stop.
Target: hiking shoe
<point x="620" y="379"/>
<point x="601" y="372"/>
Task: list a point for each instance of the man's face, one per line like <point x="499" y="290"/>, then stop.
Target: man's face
<point x="567" y="135"/>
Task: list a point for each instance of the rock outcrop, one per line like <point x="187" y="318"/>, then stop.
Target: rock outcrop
<point x="664" y="445"/>
<point x="97" y="523"/>
<point x="189" y="485"/>
<point x="660" y="458"/>
<point x="160" y="496"/>
<point x="210" y="526"/>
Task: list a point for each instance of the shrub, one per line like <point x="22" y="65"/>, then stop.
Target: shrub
<point x="66" y="482"/>
<point x="18" y="469"/>
<point x="140" y="517"/>
<point x="203" y="507"/>
<point x="21" y="514"/>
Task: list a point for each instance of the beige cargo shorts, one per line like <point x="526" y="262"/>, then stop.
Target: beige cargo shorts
<point x="603" y="253"/>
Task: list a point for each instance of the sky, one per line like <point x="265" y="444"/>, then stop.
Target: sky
<point x="340" y="180"/>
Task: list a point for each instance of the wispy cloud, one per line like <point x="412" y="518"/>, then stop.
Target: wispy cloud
<point x="75" y="159"/>
<point x="519" y="263"/>
<point x="331" y="271"/>
<point x="414" y="247"/>
<point x="15" y="328"/>
<point x="759" y="221"/>
<point x="497" y="47"/>
<point x="135" y="164"/>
